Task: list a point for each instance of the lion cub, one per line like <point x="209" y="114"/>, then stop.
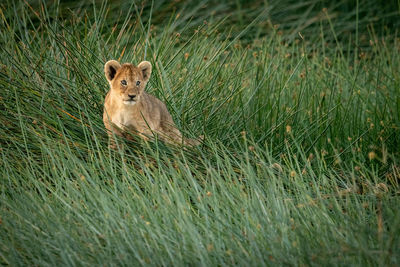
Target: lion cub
<point x="129" y="109"/>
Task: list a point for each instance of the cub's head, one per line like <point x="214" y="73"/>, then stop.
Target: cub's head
<point x="127" y="81"/>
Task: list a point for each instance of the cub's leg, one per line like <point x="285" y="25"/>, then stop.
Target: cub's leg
<point x="172" y="135"/>
<point x="169" y="133"/>
<point x="111" y="131"/>
<point x="112" y="143"/>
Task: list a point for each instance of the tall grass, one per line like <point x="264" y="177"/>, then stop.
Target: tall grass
<point x="300" y="161"/>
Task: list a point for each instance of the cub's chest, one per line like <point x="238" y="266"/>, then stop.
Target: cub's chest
<point x="124" y="119"/>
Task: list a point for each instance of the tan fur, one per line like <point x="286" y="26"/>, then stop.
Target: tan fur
<point x="145" y="115"/>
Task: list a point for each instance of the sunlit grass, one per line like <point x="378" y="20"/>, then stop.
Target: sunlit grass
<point x="299" y="164"/>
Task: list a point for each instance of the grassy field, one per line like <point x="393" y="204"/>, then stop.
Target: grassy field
<point x="299" y="103"/>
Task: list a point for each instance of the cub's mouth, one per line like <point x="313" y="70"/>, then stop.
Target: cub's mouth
<point x="130" y="101"/>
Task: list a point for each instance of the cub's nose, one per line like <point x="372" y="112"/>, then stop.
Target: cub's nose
<point x="132" y="97"/>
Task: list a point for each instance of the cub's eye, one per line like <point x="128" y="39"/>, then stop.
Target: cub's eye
<point x="137" y="83"/>
<point x="124" y="83"/>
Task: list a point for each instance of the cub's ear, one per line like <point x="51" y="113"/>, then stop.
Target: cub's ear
<point x="145" y="67"/>
<point x="110" y="69"/>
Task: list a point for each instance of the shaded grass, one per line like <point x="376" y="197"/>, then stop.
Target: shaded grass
<point x="299" y="163"/>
